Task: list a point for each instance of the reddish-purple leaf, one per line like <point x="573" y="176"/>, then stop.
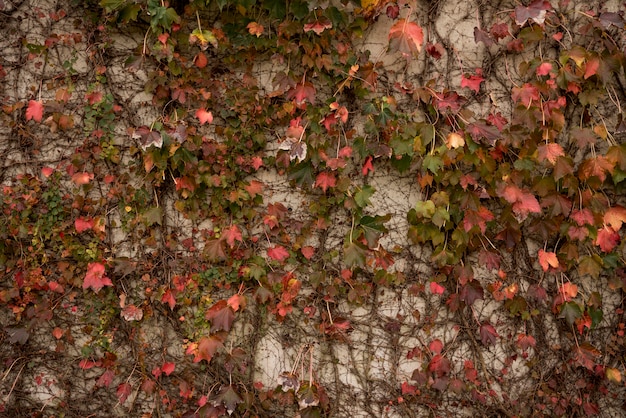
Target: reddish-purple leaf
<point x="488" y="334"/>
<point x="221" y="316"/>
<point x="123" y="391"/>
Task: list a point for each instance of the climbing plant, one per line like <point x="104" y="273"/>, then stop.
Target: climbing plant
<point x="514" y="239"/>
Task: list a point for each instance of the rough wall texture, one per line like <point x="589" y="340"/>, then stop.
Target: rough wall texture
<point x="391" y="326"/>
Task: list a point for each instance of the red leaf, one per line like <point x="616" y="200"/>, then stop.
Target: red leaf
<point x="232" y="234"/>
<point x="408" y="389"/>
<point x="123" y="391"/>
<point x="221" y="316"/>
<point x="87" y="364"/>
<point x="436" y="288"/>
<point x="204" y="116"/>
<point x="307" y="252"/>
<point x="544" y="69"/>
<point x="106" y="379"/>
<point x="523" y="202"/>
<point x="168" y="297"/>
<point x="525" y="341"/>
<point x="302" y="92"/>
<point x="526" y="94"/>
<point x="473" y="81"/>
<point x="406" y="37"/>
<point x="47" y="171"/>
<point x="596" y="166"/>
<point x="368" y="166"/>
<point x="547" y="260"/>
<point x="278" y="253"/>
<point x="436" y="346"/>
<point x="95" y="277"/>
<point x="440" y="365"/>
<point x="607" y="239"/>
<point x="83" y="224"/>
<point x="325" y="180"/>
<point x="34" y="110"/>
<point x="488" y="334"/>
<point x="168" y="368"/>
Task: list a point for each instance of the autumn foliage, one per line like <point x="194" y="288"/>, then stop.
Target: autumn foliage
<point x="234" y="203"/>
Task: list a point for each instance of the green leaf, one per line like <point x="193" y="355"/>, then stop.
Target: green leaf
<point x="111" y="5"/>
<point x="153" y="216"/>
<point x="362" y="197"/>
<point x="571" y="312"/>
<point x="596" y="316"/>
<point x="373" y="228"/>
<point x="129" y="13"/>
<point x="302" y="174"/>
<point x="432" y="163"/>
<point x="276" y="8"/>
<point x="354" y="255"/>
<point x="299" y="9"/>
<point x="425" y="209"/>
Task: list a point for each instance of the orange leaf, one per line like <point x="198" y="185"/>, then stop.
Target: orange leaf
<point x="550" y="152"/>
<point x="615" y="217"/>
<point x="201" y="60"/>
<point x="204" y="116"/>
<point x="82" y="178"/>
<point x="255" y="29"/>
<point x="57" y="333"/>
<point x="547" y="260"/>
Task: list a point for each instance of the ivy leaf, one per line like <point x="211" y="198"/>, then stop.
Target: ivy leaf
<point x="473" y="81"/>
<point x="524" y="341"/>
<point x="471" y="292"/>
<point x="362" y="197"/>
<point x="214" y="249"/>
<point x="536" y="12"/>
<point x="168" y="368"/>
<point x="207" y="347"/>
<point x="278" y="253"/>
<point x="204" y="116"/>
<point x="615" y="217"/>
<point x="488" y="334"/>
<point x="482" y="36"/>
<point x="406" y="37"/>
<point x="95" y="277"/>
<point x="523" y="202"/>
<point x="301" y="93"/>
<point x="549" y="152"/>
<point x="585" y="355"/>
<point x="373" y="228"/>
<point x="203" y="38"/>
<point x="325" y="180"/>
<point x="596" y="166"/>
<point x="319" y="25"/>
<point x="613" y="375"/>
<point x="439" y="365"/>
<point x="571" y="312"/>
<point x="17" y="335"/>
<point x="354" y="255"/>
<point x="228" y="397"/>
<point x="547" y="259"/>
<point x="221" y="316"/>
<point x="34" y="110"/>
<point x="302" y="174"/>
<point x="123" y="392"/>
<point x="232" y="234"/>
<point x="83" y="224"/>
<point x="607" y="239"/>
